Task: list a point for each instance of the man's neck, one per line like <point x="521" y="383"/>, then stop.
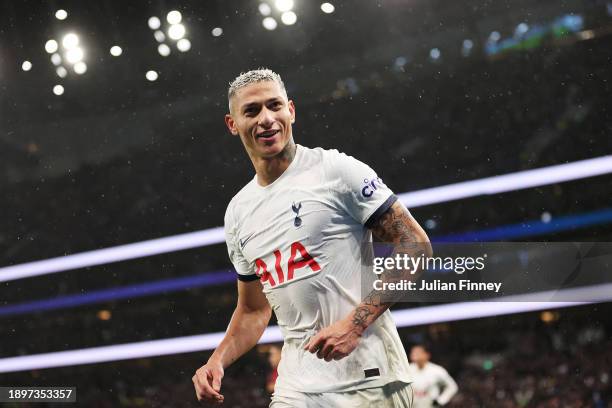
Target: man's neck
<point x="270" y="169"/>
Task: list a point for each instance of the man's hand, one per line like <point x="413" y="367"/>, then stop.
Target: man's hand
<point x="336" y="341"/>
<point x="207" y="382"/>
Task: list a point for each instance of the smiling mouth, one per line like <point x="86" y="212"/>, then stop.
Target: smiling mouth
<point x="267" y="133"/>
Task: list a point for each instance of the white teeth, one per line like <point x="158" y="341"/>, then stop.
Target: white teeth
<point x="267" y="134"/>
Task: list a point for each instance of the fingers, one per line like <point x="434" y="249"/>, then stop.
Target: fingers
<point x="315" y="343"/>
<point x="326" y="351"/>
<point x="326" y="347"/>
<point x="216" y="381"/>
<point x="339" y="356"/>
<point x="207" y="388"/>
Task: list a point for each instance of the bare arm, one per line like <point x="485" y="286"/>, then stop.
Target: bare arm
<point x="247" y="324"/>
<point x="395" y="226"/>
<point x="398" y="227"/>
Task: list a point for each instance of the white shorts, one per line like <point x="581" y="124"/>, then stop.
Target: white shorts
<point x="392" y="395"/>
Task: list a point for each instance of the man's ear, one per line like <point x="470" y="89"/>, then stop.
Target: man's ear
<point x="231" y="124"/>
<point x="292" y="110"/>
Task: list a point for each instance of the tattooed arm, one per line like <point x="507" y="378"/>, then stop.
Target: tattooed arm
<point x="395" y="226"/>
<point x="399" y="228"/>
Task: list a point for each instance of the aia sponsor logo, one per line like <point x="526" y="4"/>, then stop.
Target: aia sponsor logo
<point x="295" y="262"/>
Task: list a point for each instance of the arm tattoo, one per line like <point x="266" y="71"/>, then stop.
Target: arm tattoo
<point x="397" y="227"/>
<point x="360" y="318"/>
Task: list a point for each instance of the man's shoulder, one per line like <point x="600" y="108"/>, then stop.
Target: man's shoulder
<point x="239" y="197"/>
<point x="331" y="159"/>
<point x="321" y="153"/>
<point x="436" y="367"/>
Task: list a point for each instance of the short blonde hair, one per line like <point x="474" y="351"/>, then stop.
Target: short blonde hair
<point x="251" y="77"/>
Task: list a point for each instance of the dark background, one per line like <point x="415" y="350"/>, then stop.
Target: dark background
<point x="117" y="159"/>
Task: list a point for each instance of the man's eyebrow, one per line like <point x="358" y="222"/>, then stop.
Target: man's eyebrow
<point x="252" y="104"/>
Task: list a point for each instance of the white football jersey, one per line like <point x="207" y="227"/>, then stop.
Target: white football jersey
<point x="302" y="237"/>
<point x="431" y="383"/>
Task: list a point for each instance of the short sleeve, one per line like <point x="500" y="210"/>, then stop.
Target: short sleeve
<point x="241" y="264"/>
<point x="363" y="193"/>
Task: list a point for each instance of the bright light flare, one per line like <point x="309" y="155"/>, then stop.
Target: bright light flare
<point x="159" y="36"/>
<point x="176" y="31"/>
<point x="26" y="66"/>
<point x="61" y="14"/>
<point x="284" y="5"/>
<point x="70" y="41"/>
<point x="265" y="9"/>
<point x="58" y="90"/>
<point x="217" y="31"/>
<point x="74" y="55"/>
<point x="174" y="17"/>
<point x="183" y="45"/>
<point x="51" y="46"/>
<point x="61" y="72"/>
<point x="154" y="23"/>
<point x="151" y="75"/>
<point x="269" y="23"/>
<point x="327" y="8"/>
<point x="116" y="51"/>
<point x="56" y="59"/>
<point x="289" y="18"/>
<point x="80" y="68"/>
<point x="163" y="50"/>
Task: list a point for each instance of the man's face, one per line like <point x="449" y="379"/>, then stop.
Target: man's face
<point x="419" y="355"/>
<point x="262" y="116"/>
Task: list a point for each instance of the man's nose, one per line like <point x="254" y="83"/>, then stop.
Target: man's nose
<point x="266" y="119"/>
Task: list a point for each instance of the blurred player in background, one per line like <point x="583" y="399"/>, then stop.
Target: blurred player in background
<point x="294" y="235"/>
<point x="432" y="384"/>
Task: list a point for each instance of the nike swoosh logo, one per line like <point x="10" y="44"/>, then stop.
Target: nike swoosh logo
<point x="246" y="239"/>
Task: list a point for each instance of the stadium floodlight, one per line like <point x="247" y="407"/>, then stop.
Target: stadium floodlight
<point x="217" y="31"/>
<point x="26" y="66"/>
<point x="151" y="75"/>
<point x="163" y="50"/>
<point x="70" y="41"/>
<point x="434" y="54"/>
<point x="466" y="47"/>
<point x="521" y="29"/>
<point x="56" y="59"/>
<point x="61" y="72"/>
<point x="58" y="90"/>
<point x="80" y="67"/>
<point x="51" y="46"/>
<point x="159" y="35"/>
<point x="74" y="55"/>
<point x="520" y="180"/>
<point x="174" y="17"/>
<point x="61" y="14"/>
<point x="284" y="5"/>
<point x="327" y="8"/>
<point x="269" y="23"/>
<point x="154" y="23"/>
<point x="176" y="31"/>
<point x="116" y="51"/>
<point x="183" y="45"/>
<point x="289" y="18"/>
<point x="265" y="9"/>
